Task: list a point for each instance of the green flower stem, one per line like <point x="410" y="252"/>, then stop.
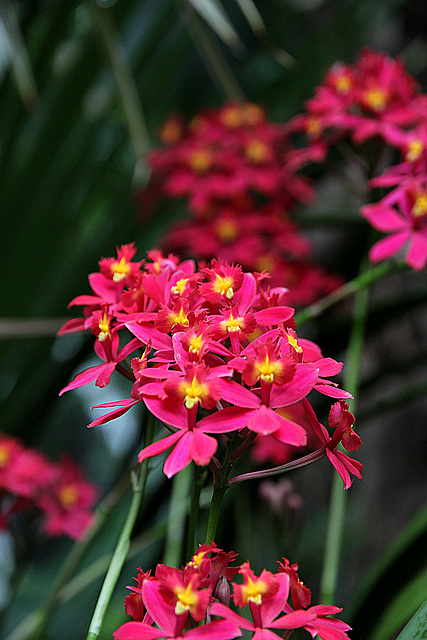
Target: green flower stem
<point x="199" y="481"/>
<point x="139" y="481"/>
<point x="359" y="283"/>
<point x="217" y="498"/>
<point x="178" y="511"/>
<point x="338" y="502"/>
<point x="221" y="486"/>
<point x="127" y="89"/>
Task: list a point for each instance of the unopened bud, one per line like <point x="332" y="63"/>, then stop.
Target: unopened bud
<point x="222" y="591"/>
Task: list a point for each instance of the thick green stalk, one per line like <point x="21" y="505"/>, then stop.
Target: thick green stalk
<point x="178" y="511"/>
<point x="199" y="480"/>
<point x="221" y="486"/>
<point x="338" y="502"/>
<point x="217" y="498"/>
<point x="118" y="559"/>
<point x="363" y="280"/>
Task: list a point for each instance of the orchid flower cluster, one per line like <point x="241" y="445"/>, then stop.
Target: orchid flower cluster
<point x="237" y="172"/>
<point x="29" y="481"/>
<point x="215" y="356"/>
<point x="195" y="602"/>
<point x="377" y="99"/>
<point x="242" y="175"/>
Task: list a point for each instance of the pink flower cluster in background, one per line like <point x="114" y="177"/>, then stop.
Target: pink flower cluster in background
<point x="28" y="480"/>
<point x="241" y="175"/>
<point x="196" y="602"/>
<point x="376" y="98"/>
<point x="215" y="353"/>
<point x="237" y="172"/>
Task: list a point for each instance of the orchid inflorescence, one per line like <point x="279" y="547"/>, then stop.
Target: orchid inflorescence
<point x="242" y="175"/>
<point x="215" y="353"/>
<point x="239" y="197"/>
<point x="195" y="602"/>
<point x="377" y="98"/>
<point x="29" y="482"/>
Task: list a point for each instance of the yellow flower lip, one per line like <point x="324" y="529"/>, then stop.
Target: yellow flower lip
<point x="253" y="591"/>
<point x="180" y="318"/>
<point x="120" y="270"/>
<point x="224" y="286"/>
<point x="186" y="599"/>
<point x="227" y="230"/>
<point x="415" y="149"/>
<point x="257" y="151"/>
<point x="419" y="207"/>
<point x="194" y="392"/>
<point x="267" y="369"/>
<point x="179" y="286"/>
<point x="196" y="343"/>
<point x="232" y="324"/>
<point x="376" y="98"/>
<point x="104" y="329"/>
<point x="343" y="83"/>
<point x="314" y="127"/>
<point x="68" y="496"/>
<point x="4" y="456"/>
<point x="201" y="161"/>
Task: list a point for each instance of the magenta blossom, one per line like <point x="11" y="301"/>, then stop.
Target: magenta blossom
<point x="406" y="225"/>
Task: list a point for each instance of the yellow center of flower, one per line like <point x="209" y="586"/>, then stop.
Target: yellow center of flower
<point x="179" y="318"/>
<point x="415" y="149"/>
<point x="201" y="161"/>
<point x="186" y="599"/>
<point x="104" y="329"/>
<point x="266" y="263"/>
<point x="343" y="83"/>
<point x="420" y="206"/>
<point x="253" y="591"/>
<point x="293" y="341"/>
<point x="194" y="392"/>
<point x="196" y="343"/>
<point x="224" y="286"/>
<point x="68" y="496"/>
<point x="252" y="114"/>
<point x="227" y="230"/>
<point x="257" y="151"/>
<point x="231" y="117"/>
<point x="232" y="324"/>
<point x="267" y="369"/>
<point x="120" y="270"/>
<point x="376" y="99"/>
<point x="179" y="286"/>
<point x="314" y="127"/>
<point x="197" y="559"/>
<point x="171" y="132"/>
<point x="4" y="456"/>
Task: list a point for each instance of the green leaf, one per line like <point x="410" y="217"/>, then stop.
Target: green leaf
<point x="417" y="625"/>
<point x="395" y="579"/>
<point x="401" y="608"/>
